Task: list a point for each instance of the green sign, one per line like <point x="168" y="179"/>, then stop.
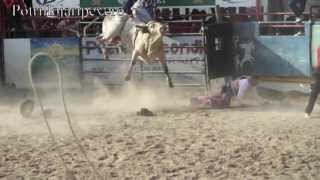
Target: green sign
<point x="119" y="3"/>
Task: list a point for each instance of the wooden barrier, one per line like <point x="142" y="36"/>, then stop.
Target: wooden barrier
<point x="282" y="79"/>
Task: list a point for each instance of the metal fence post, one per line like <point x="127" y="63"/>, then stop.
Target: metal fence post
<point x="3" y="29"/>
<point x="204" y="44"/>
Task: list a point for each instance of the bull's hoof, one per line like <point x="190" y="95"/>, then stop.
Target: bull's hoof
<point x="127" y="78"/>
<point x="145" y="112"/>
<point x="98" y="38"/>
<point x="170" y="84"/>
<point x="105" y="57"/>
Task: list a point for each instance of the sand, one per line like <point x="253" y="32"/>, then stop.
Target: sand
<point x="262" y="141"/>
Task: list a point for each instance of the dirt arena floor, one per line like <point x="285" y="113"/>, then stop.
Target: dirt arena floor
<point x="261" y="141"/>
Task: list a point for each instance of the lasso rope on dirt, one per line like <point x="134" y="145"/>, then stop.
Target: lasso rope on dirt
<point x="66" y="111"/>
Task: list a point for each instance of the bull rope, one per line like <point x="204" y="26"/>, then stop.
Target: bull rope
<point x="66" y="112"/>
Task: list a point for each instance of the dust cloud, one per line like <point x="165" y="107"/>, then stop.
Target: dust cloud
<point x="260" y="141"/>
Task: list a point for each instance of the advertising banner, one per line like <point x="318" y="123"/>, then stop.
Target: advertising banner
<point x="18" y="53"/>
<point x="16" y="56"/>
<point x="66" y="52"/>
<point x="188" y="58"/>
<point x="191" y="50"/>
<point x="315" y="55"/>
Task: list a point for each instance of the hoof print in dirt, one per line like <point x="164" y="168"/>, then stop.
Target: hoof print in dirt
<point x="145" y="112"/>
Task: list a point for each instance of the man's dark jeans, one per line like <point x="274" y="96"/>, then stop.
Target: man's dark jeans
<point x="128" y="5"/>
<point x="315" y="90"/>
<point x="297" y="6"/>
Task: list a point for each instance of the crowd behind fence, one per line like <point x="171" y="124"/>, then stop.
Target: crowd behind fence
<point x="43" y="26"/>
<point x="179" y="20"/>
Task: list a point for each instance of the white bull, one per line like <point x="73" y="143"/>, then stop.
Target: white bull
<point x="145" y="42"/>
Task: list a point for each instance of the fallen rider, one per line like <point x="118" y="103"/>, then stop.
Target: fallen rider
<point x="221" y="100"/>
<point x="236" y="90"/>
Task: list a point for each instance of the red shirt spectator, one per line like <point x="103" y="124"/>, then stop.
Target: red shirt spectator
<point x="10" y="3"/>
<point x="3" y="22"/>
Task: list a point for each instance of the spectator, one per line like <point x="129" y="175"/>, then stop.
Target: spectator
<point x="298" y="6"/>
<point x="176" y="14"/>
<point x="29" y="28"/>
<point x="48" y="28"/>
<point x="14" y="21"/>
<point x="66" y="26"/>
<point x="276" y="6"/>
<point x="203" y="14"/>
<point x="3" y="20"/>
<point x="9" y="4"/>
<point x="195" y="14"/>
<point x="28" y="3"/>
<point x="166" y="14"/>
<point x="158" y="15"/>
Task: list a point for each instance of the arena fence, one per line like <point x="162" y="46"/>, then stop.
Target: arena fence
<point x="184" y="52"/>
<point x="188" y="61"/>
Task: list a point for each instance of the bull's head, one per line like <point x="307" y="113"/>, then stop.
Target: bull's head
<point x="156" y="27"/>
<point x="153" y="28"/>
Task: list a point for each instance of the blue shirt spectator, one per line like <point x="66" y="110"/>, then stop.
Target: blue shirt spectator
<point x="298" y="7"/>
<point x="127" y="6"/>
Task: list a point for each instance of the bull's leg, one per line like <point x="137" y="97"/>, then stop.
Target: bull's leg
<point x="165" y="68"/>
<point x="133" y="62"/>
<point x="166" y="71"/>
<point x="100" y="41"/>
<point x="99" y="37"/>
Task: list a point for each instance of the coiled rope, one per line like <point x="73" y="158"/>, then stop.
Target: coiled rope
<point x="66" y="112"/>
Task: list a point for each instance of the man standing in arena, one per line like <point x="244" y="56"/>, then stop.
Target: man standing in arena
<point x="315" y="90"/>
<point x="298" y="6"/>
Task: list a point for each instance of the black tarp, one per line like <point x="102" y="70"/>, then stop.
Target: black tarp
<point x="219" y="50"/>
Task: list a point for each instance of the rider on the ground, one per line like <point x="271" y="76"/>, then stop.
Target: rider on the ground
<point x="238" y="88"/>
